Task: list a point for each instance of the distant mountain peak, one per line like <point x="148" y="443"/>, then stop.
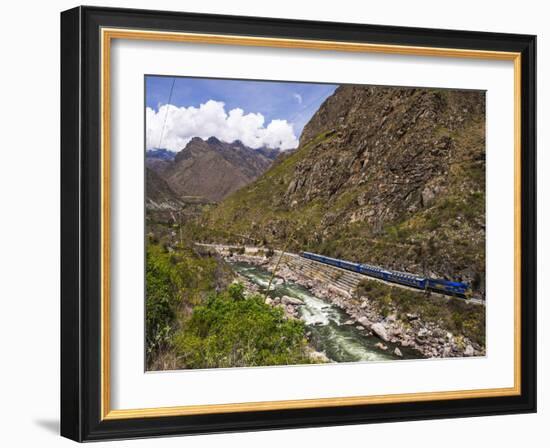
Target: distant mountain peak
<point x="160" y="153"/>
<point x="213" y="169"/>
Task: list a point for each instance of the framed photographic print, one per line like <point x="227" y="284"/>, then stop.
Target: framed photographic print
<point x="275" y="224"/>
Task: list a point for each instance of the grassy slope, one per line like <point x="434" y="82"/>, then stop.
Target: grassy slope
<point x="255" y="209"/>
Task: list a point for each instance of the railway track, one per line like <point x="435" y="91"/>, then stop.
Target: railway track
<point x="342" y="279"/>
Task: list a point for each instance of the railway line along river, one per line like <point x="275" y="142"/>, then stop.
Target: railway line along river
<point x="331" y="329"/>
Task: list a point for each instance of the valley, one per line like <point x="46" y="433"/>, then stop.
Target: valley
<point x="394" y="177"/>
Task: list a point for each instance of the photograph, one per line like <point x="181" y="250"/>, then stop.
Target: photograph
<point x="291" y="223"/>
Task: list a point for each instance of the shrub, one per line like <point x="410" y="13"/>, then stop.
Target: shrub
<point x="231" y="330"/>
<point x="161" y="299"/>
<point x="175" y="281"/>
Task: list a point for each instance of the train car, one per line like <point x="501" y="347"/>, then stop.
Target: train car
<point x="408" y="279"/>
<point x="374" y="271"/>
<point x="403" y="278"/>
<point x="447" y="286"/>
<point x="332" y="261"/>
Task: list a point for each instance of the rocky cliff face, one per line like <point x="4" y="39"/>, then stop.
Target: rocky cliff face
<point x="393" y="176"/>
<point x="212" y="169"/>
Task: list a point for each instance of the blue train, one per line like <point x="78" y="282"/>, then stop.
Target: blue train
<point x="414" y="281"/>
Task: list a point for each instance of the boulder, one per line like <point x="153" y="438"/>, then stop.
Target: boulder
<point x="379" y="330"/>
<point x="469" y="351"/>
<point x="381" y="346"/>
<point x="291" y="300"/>
<point x="364" y="321"/>
<point x="420" y="340"/>
<point x="397" y="352"/>
<point x="423" y="332"/>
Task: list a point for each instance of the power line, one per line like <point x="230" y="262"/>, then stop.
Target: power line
<point x="166" y="115"/>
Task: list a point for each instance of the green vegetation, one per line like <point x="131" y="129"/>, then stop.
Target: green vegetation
<point x="162" y="292"/>
<point x="451" y="314"/>
<point x="231" y="330"/>
<point x="194" y="320"/>
<point x="175" y="282"/>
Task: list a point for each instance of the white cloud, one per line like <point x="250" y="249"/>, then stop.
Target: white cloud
<point x="181" y="124"/>
<point x="297" y="97"/>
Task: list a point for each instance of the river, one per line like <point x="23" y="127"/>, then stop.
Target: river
<point x="326" y="322"/>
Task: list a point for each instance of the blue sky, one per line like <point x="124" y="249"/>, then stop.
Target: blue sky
<point x="290" y="101"/>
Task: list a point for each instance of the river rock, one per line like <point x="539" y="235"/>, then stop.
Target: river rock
<point x="397" y="331"/>
<point x="291" y="300"/>
<point x="422" y="333"/>
<point x="379" y="330"/>
<point x="420" y="340"/>
<point x="364" y="321"/>
<point x="381" y="346"/>
<point x="269" y="301"/>
<point x="397" y="352"/>
<point x="359" y="327"/>
<point x="318" y="357"/>
<point x="469" y="351"/>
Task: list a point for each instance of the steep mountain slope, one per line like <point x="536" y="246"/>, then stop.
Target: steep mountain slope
<point x="392" y="176"/>
<point x="159" y="159"/>
<point x="158" y="194"/>
<point x="212" y="169"/>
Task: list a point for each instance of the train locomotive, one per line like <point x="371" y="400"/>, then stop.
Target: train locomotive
<point x="438" y="285"/>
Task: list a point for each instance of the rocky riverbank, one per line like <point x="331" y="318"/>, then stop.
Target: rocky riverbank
<point x="427" y="338"/>
<point x="289" y="305"/>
